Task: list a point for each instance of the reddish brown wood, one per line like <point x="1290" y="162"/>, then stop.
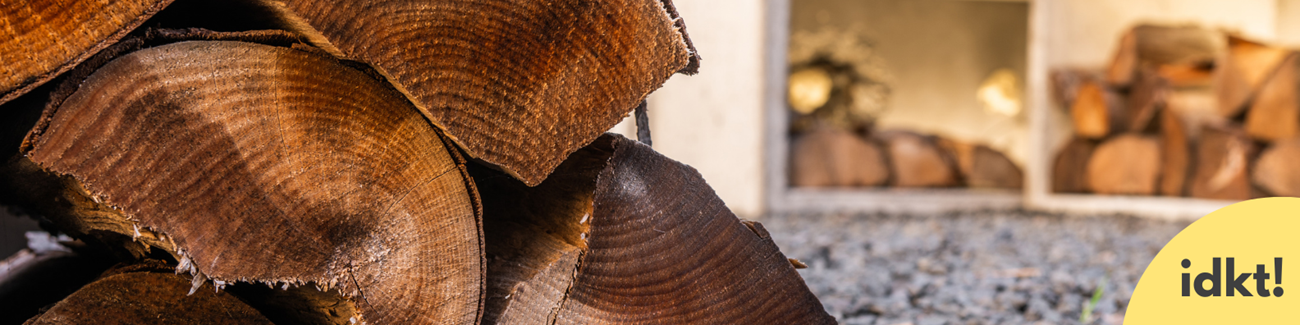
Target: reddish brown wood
<point x="829" y="157"/>
<point x="624" y="235"/>
<point x="519" y="84"/>
<point x="1069" y="170"/>
<point x="258" y="163"/>
<point x="1222" y="164"/>
<point x="981" y="166"/>
<point x="1097" y="111"/>
<point x="1240" y="73"/>
<point x="1175" y="154"/>
<point x="148" y="294"/>
<point x="1146" y="96"/>
<point x="1275" y="112"/>
<point x="917" y="161"/>
<point x="1276" y="171"/>
<point x="1152" y="46"/>
<point x="1125" y="164"/>
<point x="41" y="39"/>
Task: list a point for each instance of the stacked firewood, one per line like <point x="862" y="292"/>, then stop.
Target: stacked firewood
<point x="1183" y="111"/>
<point x="389" y="162"/>
<point x="831" y="157"/>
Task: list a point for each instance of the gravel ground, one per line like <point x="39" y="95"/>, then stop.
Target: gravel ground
<point x="980" y="267"/>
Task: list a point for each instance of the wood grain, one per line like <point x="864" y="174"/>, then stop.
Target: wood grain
<point x="633" y="238"/>
<point x="41" y="39"/>
<point x="518" y="84"/>
<point x="1125" y="164"/>
<point x="267" y="164"/>
<point x="148" y="294"/>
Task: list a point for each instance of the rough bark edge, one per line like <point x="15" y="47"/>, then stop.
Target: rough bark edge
<point x="477" y="202"/>
<point x="693" y="60"/>
<point x="31" y="83"/>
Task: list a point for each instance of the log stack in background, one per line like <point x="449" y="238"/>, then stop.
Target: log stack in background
<point x="1182" y="111"/>
<point x="832" y="157"/>
<point x="408" y="162"/>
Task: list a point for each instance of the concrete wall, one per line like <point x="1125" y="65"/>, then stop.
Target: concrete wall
<point x="713" y="120"/>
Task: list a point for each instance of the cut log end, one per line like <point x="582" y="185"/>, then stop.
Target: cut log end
<point x="834" y="158"/>
<point x="269" y="152"/>
<point x="521" y="98"/>
<point x="1126" y="164"/>
<point x="617" y="198"/>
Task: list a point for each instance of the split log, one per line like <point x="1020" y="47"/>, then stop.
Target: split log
<point x="1276" y="172"/>
<point x="1070" y="167"/>
<point x="42" y="39"/>
<point x="1126" y="164"/>
<point x="1175" y="154"/>
<point x="1222" y="164"/>
<point x="917" y="161"/>
<point x="1151" y="46"/>
<point x="518" y="84"/>
<point x="1146" y="96"/>
<point x="148" y="293"/>
<point x="1196" y="106"/>
<point x="621" y="234"/>
<point x="250" y="162"/>
<point x="1190" y="74"/>
<point x="1097" y="111"/>
<point x="983" y="167"/>
<point x="1240" y="73"/>
<point x="832" y="157"/>
<point x="1066" y="83"/>
<point x="1275" y="112"/>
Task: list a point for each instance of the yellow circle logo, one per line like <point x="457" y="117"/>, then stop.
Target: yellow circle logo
<point x="1226" y="268"/>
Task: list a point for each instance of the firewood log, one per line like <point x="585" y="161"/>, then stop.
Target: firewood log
<point x="518" y="84"/>
<point x="621" y="234"/>
<point x="1151" y="46"/>
<point x="1187" y="74"/>
<point x="1066" y="83"/>
<point x="1147" y="94"/>
<point x="1196" y="106"/>
<point x="917" y="161"/>
<point x="1239" y="74"/>
<point x="265" y="164"/>
<point x="1275" y="112"/>
<point x="1069" y="170"/>
<point x="1222" y="164"/>
<point x="42" y="39"/>
<point x="148" y="293"/>
<point x="831" y="157"/>
<point x="1275" y="170"/>
<point x="1175" y="154"/>
<point x="1126" y="164"/>
<point x="981" y="166"/>
<point x="1097" y="111"/>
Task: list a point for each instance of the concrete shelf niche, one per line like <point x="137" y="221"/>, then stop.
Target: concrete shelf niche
<point x="937" y="52"/>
